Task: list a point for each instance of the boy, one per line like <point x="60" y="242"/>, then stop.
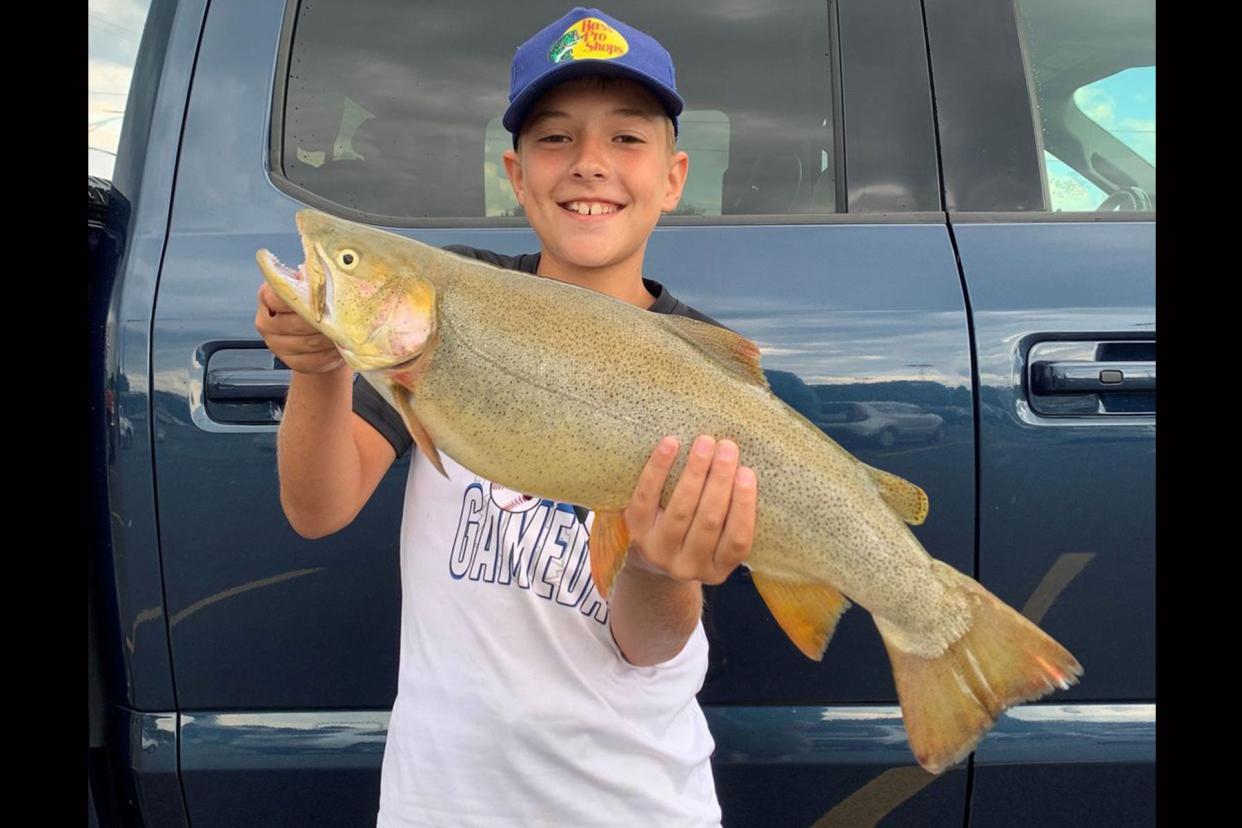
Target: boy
<point x="523" y="698"/>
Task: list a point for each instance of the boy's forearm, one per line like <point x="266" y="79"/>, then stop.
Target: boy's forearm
<point x="316" y="454"/>
<point x="652" y="616"/>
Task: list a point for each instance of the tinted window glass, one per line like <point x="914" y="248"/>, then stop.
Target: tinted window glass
<point x="1093" y="63"/>
<point x="394" y="108"/>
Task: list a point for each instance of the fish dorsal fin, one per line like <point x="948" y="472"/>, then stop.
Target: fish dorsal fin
<point x="807" y="612"/>
<point x="726" y="348"/>
<point x="906" y="499"/>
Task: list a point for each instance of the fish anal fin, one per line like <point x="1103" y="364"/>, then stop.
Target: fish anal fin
<point x="906" y="499"/>
<point x="948" y="702"/>
<point x="609" y="543"/>
<point x="807" y="612"/>
<point x="399" y="396"/>
<point x="723" y="346"/>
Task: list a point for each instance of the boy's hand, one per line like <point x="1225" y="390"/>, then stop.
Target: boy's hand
<point x="708" y="526"/>
<point x="291" y="338"/>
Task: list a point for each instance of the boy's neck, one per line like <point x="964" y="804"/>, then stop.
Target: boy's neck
<point x="622" y="281"/>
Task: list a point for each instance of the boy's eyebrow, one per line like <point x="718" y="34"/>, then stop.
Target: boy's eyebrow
<point x="627" y="112"/>
<point x="635" y="113"/>
<point x="544" y="114"/>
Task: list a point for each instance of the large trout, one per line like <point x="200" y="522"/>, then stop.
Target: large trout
<point x="562" y="392"/>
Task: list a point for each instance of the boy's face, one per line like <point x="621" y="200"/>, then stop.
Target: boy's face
<point x="607" y="151"/>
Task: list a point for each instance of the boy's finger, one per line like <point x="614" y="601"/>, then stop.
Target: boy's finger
<point x="709" y="517"/>
<point x="684" y="501"/>
<point x="739" y="528"/>
<point x="293" y="345"/>
<point x="645" y="502"/>
<point x="272" y="301"/>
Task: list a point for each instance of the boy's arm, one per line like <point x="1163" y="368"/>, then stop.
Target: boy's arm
<point x="704" y="533"/>
<point x="330" y="460"/>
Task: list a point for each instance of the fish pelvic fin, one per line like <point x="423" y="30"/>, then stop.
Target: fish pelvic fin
<point x="906" y="499"/>
<point x="724" y="347"/>
<point x="950" y="702"/>
<point x="807" y="612"/>
<point x="399" y="396"/>
<point x="608" y="545"/>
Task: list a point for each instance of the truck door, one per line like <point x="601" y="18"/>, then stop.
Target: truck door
<point x="812" y="223"/>
<point x="1047" y="123"/>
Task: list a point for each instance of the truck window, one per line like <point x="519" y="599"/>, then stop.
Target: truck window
<point x="1092" y="65"/>
<point x="393" y="109"/>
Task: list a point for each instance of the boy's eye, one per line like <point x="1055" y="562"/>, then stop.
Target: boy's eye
<point x="630" y="139"/>
<point x="554" y="139"/>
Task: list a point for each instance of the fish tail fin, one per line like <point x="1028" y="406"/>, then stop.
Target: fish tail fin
<point x="948" y="703"/>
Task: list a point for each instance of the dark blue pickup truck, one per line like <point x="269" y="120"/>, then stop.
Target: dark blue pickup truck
<point x="936" y="218"/>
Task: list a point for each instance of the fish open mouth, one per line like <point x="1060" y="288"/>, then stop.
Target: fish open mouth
<point x="296" y="273"/>
<point x="273" y="266"/>
<point x="293" y="278"/>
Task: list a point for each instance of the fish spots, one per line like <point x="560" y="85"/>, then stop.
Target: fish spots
<point x="522" y="384"/>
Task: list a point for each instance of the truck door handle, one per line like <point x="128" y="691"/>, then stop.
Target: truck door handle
<point x="1090" y="377"/>
<point x="254" y="384"/>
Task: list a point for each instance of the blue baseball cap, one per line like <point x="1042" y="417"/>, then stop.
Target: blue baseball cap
<point x="588" y="42"/>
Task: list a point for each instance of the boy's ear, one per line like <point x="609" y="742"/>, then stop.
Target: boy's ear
<point x="679" y="168"/>
<point x="513" y="169"/>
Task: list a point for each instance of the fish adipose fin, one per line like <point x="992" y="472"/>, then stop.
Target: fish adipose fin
<point x="949" y="703"/>
<point x="903" y="497"/>
<point x="808" y="613"/>
<point x="399" y="396"/>
<point x="724" y="347"/>
<point x="608" y="545"/>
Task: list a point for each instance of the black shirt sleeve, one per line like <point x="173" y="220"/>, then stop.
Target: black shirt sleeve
<point x="370" y="406"/>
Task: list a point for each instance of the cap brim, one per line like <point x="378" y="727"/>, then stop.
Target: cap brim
<point x="516" y="114"/>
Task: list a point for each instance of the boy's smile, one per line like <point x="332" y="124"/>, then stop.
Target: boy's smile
<point x="593" y="172"/>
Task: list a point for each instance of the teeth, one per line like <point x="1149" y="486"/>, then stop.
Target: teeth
<point x="591" y="208"/>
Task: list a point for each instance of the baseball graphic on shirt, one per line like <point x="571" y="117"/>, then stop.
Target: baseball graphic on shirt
<point x="512" y="501"/>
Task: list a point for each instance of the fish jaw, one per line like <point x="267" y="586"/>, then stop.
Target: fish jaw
<point x="295" y="285"/>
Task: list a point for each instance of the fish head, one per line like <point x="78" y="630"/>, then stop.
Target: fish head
<point x="360" y="288"/>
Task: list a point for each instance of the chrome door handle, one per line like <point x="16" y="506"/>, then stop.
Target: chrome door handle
<point x="1111" y="378"/>
<point x="1089" y="377"/>
<point x="248" y="384"/>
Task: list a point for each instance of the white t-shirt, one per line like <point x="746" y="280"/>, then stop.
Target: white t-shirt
<point x="514" y="705"/>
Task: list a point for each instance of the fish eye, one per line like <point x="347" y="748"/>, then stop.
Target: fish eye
<point x="347" y="259"/>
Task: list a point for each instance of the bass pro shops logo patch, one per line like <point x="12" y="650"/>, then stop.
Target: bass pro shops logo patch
<point x="588" y="38"/>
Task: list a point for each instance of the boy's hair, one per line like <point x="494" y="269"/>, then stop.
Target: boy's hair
<point x="604" y="83"/>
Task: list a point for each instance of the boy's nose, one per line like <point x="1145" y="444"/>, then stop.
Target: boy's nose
<point x="590" y="161"/>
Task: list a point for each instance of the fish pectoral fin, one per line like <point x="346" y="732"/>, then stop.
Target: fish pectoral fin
<point x="608" y="544"/>
<point x="906" y="499"/>
<point x="807" y="612"/>
<point x="723" y="346"/>
<point x="399" y="396"/>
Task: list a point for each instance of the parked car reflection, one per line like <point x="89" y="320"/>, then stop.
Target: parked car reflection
<point x="882" y="422"/>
